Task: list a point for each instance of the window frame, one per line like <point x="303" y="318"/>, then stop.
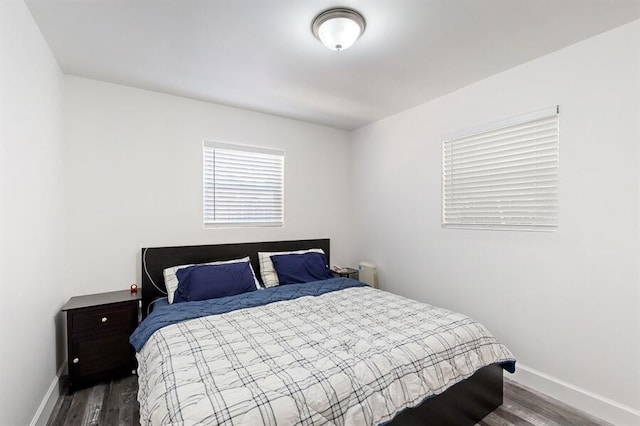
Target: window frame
<point x="208" y="144"/>
<point x="551" y="112"/>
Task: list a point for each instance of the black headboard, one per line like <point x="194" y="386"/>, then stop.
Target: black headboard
<point x="156" y="259"/>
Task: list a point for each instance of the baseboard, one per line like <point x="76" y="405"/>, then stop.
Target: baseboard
<point x="48" y="403"/>
<point x="589" y="402"/>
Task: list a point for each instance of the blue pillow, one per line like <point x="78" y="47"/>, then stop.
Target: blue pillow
<point x="202" y="282"/>
<point x="301" y="268"/>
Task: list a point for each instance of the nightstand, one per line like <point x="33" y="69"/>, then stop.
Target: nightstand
<point x="98" y="330"/>
<point x="347" y="273"/>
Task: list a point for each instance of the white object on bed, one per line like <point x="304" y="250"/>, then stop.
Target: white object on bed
<point x="268" y="272"/>
<point x="171" y="279"/>
<point x="356" y="356"/>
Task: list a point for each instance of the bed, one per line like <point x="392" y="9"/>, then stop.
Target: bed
<point x="324" y="352"/>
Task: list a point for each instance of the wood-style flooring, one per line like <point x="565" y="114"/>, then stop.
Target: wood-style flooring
<point x="115" y="403"/>
<point x="524" y="406"/>
<point x="108" y="403"/>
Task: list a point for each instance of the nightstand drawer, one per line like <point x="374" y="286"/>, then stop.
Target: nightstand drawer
<point x="103" y="317"/>
<point x="97" y="354"/>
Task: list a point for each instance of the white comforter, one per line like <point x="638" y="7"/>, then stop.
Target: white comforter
<point x="351" y="357"/>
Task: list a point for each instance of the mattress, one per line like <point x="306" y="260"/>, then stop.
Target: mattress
<point x="327" y="352"/>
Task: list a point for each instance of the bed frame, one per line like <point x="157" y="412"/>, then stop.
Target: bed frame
<point x="157" y="259"/>
<point x="465" y="403"/>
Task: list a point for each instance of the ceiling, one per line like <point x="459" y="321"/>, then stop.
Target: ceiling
<point x="261" y="55"/>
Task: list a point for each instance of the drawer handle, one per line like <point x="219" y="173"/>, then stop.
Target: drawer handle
<point x="104" y="319"/>
<point x="76" y="360"/>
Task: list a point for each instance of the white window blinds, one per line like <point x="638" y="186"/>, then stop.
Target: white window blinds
<point x="242" y="185"/>
<point x="504" y="176"/>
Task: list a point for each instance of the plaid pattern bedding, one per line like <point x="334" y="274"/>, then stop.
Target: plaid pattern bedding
<point x="356" y="356"/>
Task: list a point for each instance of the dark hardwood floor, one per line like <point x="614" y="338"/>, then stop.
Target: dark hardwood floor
<point x="107" y="403"/>
<point x="524" y="406"/>
<point x="115" y="403"/>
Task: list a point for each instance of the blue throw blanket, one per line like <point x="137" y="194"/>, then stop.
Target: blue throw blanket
<point x="165" y="315"/>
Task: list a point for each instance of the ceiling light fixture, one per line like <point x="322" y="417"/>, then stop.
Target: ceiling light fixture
<point x="338" y="28"/>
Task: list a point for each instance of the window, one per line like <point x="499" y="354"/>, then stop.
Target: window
<point x="504" y="176"/>
<point x="242" y="185"/>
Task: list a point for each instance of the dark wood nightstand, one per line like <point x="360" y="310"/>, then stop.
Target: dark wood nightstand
<point x="346" y="273"/>
<point x="98" y="330"/>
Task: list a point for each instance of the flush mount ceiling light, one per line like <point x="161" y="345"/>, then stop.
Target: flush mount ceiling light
<point x="338" y="28"/>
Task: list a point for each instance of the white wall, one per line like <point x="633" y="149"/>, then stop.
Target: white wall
<point x="30" y="215"/>
<point x="566" y="303"/>
<point x="133" y="177"/>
